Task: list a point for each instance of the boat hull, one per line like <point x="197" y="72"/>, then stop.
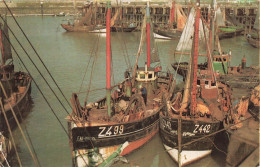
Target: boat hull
<point x="167" y="34"/>
<point x="191" y="130"/>
<point x="90" y="28"/>
<point x="106" y="139"/>
<point x="122" y="29"/>
<point x="254" y="42"/>
<point x="19" y="107"/>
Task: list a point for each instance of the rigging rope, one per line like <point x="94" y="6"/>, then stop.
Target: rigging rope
<point x="36" y="53"/>
<point x="5" y="159"/>
<point x="125" y="53"/>
<point x="91" y="55"/>
<point x="36" y="68"/>
<point x="4" y="92"/>
<point x="27" y="133"/>
<point x="188" y="143"/>
<point x="42" y="93"/>
<point x="91" y="74"/>
<point x="10" y="132"/>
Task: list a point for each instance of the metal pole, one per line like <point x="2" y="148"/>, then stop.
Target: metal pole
<point x="179" y="142"/>
<point x="148" y="35"/>
<point x="108" y="61"/>
<point x="42" y="8"/>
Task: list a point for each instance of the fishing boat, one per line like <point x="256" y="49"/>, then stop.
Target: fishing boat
<point x="16" y="97"/>
<point x="176" y="24"/>
<point x="243" y="131"/>
<point x="117" y="24"/>
<point x="99" y="130"/>
<point x="194" y="115"/>
<point x="223" y="29"/>
<point x="124" y="28"/>
<point x="86" y="23"/>
<point x="220" y="59"/>
<point x="221" y="64"/>
<point x="253" y="37"/>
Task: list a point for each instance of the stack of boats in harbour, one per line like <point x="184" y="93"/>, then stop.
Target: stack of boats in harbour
<point x="146" y="101"/>
<point x="188" y="120"/>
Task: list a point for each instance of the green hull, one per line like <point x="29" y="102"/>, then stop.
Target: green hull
<point x="220" y="68"/>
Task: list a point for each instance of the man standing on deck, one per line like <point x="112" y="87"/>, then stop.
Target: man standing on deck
<point x="144" y="93"/>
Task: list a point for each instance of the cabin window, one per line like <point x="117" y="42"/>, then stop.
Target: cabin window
<point x="198" y="82"/>
<point x="213" y="84"/>
<point x="142" y="76"/>
<point x="150" y="76"/>
<point x="206" y="82"/>
<point x="224" y="59"/>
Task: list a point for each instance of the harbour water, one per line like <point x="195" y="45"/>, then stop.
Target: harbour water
<point x="66" y="56"/>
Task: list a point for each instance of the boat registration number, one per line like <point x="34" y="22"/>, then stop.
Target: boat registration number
<point x="111" y="131"/>
<point x="201" y="128"/>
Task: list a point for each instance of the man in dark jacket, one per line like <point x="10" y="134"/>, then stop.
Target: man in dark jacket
<point x="144" y="94"/>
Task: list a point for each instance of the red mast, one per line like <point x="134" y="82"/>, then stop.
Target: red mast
<point x="195" y="60"/>
<point x="148" y="35"/>
<point x="108" y="61"/>
<point x="173" y="12"/>
<point x="2" y="47"/>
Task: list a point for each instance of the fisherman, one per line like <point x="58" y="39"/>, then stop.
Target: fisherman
<point x="144" y="93"/>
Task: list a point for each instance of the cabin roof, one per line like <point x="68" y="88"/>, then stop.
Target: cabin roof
<point x="148" y="69"/>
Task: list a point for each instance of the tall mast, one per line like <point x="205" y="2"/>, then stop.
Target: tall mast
<point x="148" y="35"/>
<point x="212" y="27"/>
<point x="211" y="38"/>
<point x="2" y="47"/>
<point x="108" y="60"/>
<point x="172" y="14"/>
<point x="195" y="51"/>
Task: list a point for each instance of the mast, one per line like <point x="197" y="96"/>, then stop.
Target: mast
<point x="172" y="14"/>
<point x="195" y="51"/>
<point x="2" y="47"/>
<point x="211" y="38"/>
<point x="148" y="35"/>
<point x="212" y="27"/>
<point x="108" y="61"/>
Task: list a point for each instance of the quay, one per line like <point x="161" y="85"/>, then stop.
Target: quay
<point x="133" y="12"/>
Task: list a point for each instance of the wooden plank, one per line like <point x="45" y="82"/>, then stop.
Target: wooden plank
<point x="252" y="159"/>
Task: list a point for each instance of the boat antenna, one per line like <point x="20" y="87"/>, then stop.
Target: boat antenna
<point x="148" y="35"/>
<point x="108" y="60"/>
<point x="195" y="51"/>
